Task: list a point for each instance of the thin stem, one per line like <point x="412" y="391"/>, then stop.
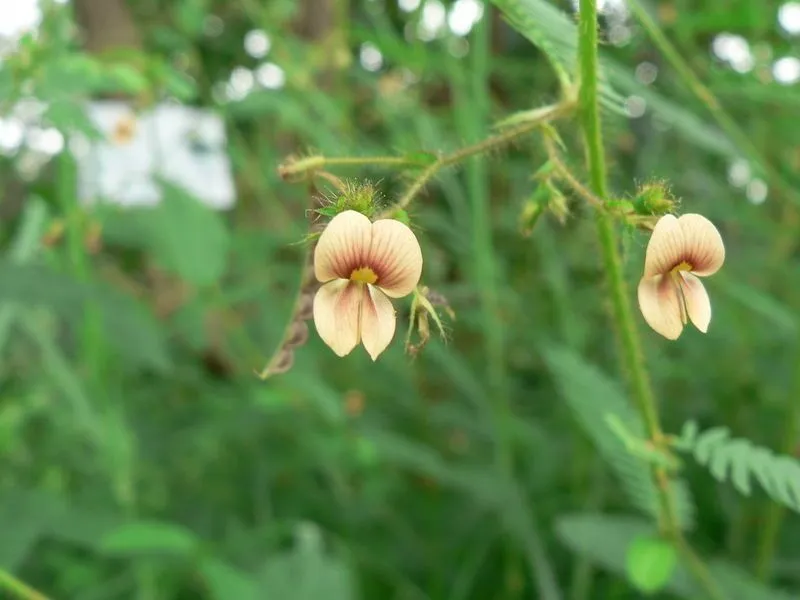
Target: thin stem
<point x="706" y="96"/>
<point x="312" y="163"/>
<point x="564" y="173"/>
<point x="623" y="314"/>
<point x="490" y="143"/>
<point x="17" y="588"/>
<point x="595" y="157"/>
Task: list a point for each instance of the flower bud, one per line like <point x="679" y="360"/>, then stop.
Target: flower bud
<point x="653" y="199"/>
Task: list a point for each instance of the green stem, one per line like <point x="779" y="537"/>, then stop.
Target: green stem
<point x="595" y="158"/>
<point x="490" y="143"/>
<point x="507" y="136"/>
<point x="706" y="96"/>
<point x="313" y="163"/>
<point x="564" y="173"/>
<point x="17" y="588"/>
<point x="623" y="314"/>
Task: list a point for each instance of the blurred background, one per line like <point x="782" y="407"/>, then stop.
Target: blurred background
<point x="152" y="254"/>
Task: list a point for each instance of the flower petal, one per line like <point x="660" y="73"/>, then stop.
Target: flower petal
<point x="396" y="257"/>
<point x="666" y="247"/>
<point x="377" y="321"/>
<point x="343" y="246"/>
<point x="703" y="244"/>
<point x="698" y="306"/>
<point x="336" y="314"/>
<point x="661" y="305"/>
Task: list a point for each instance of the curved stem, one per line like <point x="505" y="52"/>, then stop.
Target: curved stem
<point x="17" y="588"/>
<point x="623" y="315"/>
<point x="490" y="143"/>
<point x="564" y="173"/>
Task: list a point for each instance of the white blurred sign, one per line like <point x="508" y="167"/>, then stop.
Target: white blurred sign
<point x="183" y="145"/>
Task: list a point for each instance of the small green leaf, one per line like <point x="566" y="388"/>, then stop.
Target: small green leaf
<point x="127" y="79"/>
<point x="179" y="85"/>
<point x="650" y="562"/>
<point x="328" y="211"/>
<point x="149" y="537"/>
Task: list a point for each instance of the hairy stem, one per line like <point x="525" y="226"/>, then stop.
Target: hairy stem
<point x="595" y="158"/>
<point x="564" y="173"/>
<point x="313" y="163"/>
<point x="490" y="143"/>
<point x="17" y="588"/>
<point x="623" y="315"/>
<point x="301" y="166"/>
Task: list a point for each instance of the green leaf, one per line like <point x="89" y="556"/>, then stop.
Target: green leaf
<point x="127" y="79"/>
<point x="179" y="85"/>
<point x="225" y="582"/>
<point x="69" y="115"/>
<point x="149" y="537"/>
<point x="556" y="34"/>
<point x="606" y="541"/>
<point x="782" y="319"/>
<point x="593" y="397"/>
<point x="73" y="75"/>
<point x="28" y="515"/>
<point x="183" y="235"/>
<point x="740" y="459"/>
<point x="650" y="563"/>
<point x="306" y="574"/>
<point x="128" y="324"/>
<point x="23" y="518"/>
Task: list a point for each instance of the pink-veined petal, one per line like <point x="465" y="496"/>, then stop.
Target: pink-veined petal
<point x="698" y="306"/>
<point x="377" y="321"/>
<point x="703" y="244"/>
<point x="343" y="246"/>
<point x="661" y="305"/>
<point x="337" y="308"/>
<point x="396" y="257"/>
<point x="666" y="247"/>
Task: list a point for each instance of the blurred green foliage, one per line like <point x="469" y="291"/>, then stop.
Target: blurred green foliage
<point x="140" y="456"/>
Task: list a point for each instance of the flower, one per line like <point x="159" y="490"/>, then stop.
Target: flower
<point x="362" y="264"/>
<point x="670" y="292"/>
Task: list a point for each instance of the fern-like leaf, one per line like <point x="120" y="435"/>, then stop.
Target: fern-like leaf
<point x="740" y="461"/>
<point x="592" y="398"/>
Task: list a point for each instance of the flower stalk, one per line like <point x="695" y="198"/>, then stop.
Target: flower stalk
<point x="623" y="315"/>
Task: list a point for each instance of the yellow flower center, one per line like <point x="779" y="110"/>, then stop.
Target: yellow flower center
<point x="363" y="275"/>
<point x="683" y="266"/>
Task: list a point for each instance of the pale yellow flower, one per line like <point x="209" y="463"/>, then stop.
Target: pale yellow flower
<point x="670" y="292"/>
<point x="362" y="264"/>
